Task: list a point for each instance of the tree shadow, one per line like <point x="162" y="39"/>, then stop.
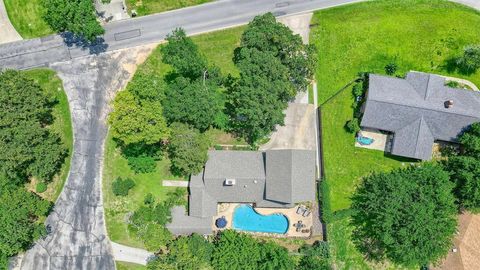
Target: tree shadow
<point x="451" y="65"/>
<point x="94" y="47"/>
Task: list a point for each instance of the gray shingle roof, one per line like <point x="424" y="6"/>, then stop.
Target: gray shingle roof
<point x="414" y="109"/>
<point x="183" y="224"/>
<point x="288" y="180"/>
<point x="276" y="178"/>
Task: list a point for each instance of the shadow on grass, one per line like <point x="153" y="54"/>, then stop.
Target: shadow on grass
<point x="451" y="65"/>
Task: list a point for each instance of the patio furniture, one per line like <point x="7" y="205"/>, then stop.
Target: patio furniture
<point x="307" y="213"/>
<point x="300" y="209"/>
<point x="221" y="222"/>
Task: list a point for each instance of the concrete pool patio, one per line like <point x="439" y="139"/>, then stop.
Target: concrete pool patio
<point x="227" y="209"/>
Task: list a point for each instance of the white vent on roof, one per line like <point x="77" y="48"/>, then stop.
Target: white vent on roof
<point x="229" y="182"/>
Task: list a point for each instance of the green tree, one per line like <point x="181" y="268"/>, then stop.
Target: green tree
<point x="187" y="149"/>
<point x="182" y="54"/>
<point x="315" y="257"/>
<point x="27" y="147"/>
<point x="274" y="257"/>
<point x="193" y="103"/>
<point x="20" y="215"/>
<point x="465" y="173"/>
<point x="235" y="251"/>
<point x="265" y="34"/>
<point x="186" y="253"/>
<point x="470" y="141"/>
<point x="76" y="16"/>
<point x="470" y="60"/>
<point x="407" y="215"/>
<point x="134" y="121"/>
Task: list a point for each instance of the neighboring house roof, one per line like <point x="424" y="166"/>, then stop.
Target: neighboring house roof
<point x="183" y="224"/>
<point x="274" y="178"/>
<point x="414" y="109"/>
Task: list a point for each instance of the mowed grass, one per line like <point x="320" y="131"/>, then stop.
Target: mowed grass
<point x="146" y="7"/>
<point x="417" y="35"/>
<point x="26" y="17"/>
<point x="218" y="48"/>
<point x="129" y="266"/>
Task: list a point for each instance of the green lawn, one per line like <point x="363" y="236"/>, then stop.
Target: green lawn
<point x="417" y="35"/>
<point x="218" y="48"/>
<point x="129" y="266"/>
<point x="146" y="7"/>
<point x="62" y="125"/>
<point x="26" y="17"/>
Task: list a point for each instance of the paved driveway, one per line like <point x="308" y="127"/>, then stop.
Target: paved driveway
<point x="78" y="239"/>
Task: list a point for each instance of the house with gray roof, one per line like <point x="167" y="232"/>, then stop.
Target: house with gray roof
<point x="418" y="110"/>
<point x="270" y="179"/>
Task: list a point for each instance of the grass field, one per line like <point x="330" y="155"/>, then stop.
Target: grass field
<point x="26" y="17"/>
<point x="62" y="125"/>
<point x="417" y="35"/>
<point x="218" y="48"/>
<point x="146" y="7"/>
<point x="129" y="266"/>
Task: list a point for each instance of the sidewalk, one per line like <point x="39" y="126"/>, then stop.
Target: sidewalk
<point x="130" y="254"/>
<point x="7" y="31"/>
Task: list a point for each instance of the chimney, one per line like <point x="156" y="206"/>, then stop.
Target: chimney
<point x="449" y="104"/>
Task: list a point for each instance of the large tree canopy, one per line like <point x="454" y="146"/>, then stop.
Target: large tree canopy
<point x="76" y="16"/>
<point x="182" y="54"/>
<point x="187" y="149"/>
<point x="274" y="64"/>
<point x="265" y="34"/>
<point x="407" y="215"/>
<point x="465" y="172"/>
<point x="134" y="121"/>
<point x="19" y="218"/>
<point x="27" y="147"/>
<point x="470" y="140"/>
<point x="196" y="103"/>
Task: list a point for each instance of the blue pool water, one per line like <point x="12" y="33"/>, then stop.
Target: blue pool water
<point x="246" y="219"/>
<point x="364" y="140"/>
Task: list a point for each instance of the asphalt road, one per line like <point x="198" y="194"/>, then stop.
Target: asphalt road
<point x="78" y="238"/>
<point x="150" y="29"/>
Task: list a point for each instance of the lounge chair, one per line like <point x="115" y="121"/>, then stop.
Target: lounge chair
<point x="307" y="213"/>
<point x="300" y="209"/>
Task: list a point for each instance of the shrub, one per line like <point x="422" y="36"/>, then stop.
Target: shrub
<point x="142" y="164"/>
<point x="149" y="199"/>
<point x="41" y="187"/>
<point x="391" y="68"/>
<point x="353" y="126"/>
<point x="120" y="187"/>
<point x="470" y="60"/>
<point x="357" y="90"/>
<point x="453" y="84"/>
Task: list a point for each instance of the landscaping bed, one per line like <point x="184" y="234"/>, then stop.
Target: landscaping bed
<point x="146" y="7"/>
<point x="365" y="37"/>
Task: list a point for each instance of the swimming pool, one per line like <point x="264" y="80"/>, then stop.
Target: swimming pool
<point x="245" y="218"/>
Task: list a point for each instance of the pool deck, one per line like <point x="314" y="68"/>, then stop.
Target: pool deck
<point x="226" y="210"/>
<point x="380" y="140"/>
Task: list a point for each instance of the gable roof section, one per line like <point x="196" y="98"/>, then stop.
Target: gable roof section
<point x="414" y="109"/>
<point x="289" y="175"/>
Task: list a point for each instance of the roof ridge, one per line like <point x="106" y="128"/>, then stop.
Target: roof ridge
<point x="423" y="108"/>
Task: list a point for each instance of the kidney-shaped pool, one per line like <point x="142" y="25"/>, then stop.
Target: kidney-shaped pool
<point x="245" y="218"/>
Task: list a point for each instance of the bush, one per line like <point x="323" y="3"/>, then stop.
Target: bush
<point x="149" y="199"/>
<point x="469" y="62"/>
<point x="353" y="126"/>
<point x="120" y="187"/>
<point x="391" y="68"/>
<point x="453" y="84"/>
<point x="357" y="90"/>
<point x="142" y="164"/>
<point x="41" y="187"/>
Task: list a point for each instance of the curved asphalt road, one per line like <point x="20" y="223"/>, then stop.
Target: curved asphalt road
<point x="78" y="239"/>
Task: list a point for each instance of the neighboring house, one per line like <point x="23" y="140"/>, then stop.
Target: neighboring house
<point x="418" y="110"/>
<point x="270" y="179"/>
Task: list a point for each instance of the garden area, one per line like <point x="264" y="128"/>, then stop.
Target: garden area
<point x="366" y="37"/>
<point x="147" y="7"/>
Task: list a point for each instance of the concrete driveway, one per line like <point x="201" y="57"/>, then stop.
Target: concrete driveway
<point x="78" y="238"/>
<point x="7" y="31"/>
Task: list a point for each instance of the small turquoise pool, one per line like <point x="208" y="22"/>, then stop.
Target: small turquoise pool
<point x="364" y="140"/>
<point x="246" y="219"/>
